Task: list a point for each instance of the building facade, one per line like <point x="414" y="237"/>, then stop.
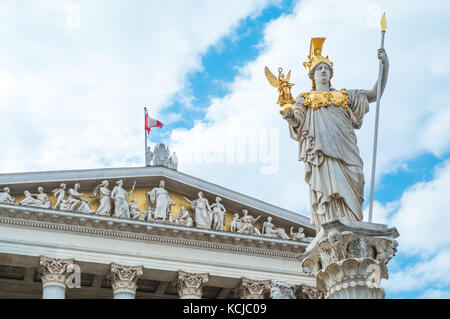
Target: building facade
<point x="165" y="234"/>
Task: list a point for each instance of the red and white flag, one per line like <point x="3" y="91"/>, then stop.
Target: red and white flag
<point x="149" y="123"/>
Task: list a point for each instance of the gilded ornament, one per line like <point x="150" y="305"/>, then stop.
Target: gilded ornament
<point x="315" y="54"/>
<point x="383" y="23"/>
<point x="284" y="87"/>
<point x="316" y="99"/>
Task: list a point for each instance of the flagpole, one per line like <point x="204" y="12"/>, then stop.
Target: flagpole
<point x="377" y="115"/>
<point x="145" y="132"/>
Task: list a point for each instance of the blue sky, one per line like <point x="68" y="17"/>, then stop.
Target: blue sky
<point x="76" y="75"/>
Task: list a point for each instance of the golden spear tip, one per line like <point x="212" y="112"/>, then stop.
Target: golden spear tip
<point x="383" y="23"/>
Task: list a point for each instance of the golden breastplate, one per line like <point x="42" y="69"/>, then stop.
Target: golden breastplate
<point x="316" y="99"/>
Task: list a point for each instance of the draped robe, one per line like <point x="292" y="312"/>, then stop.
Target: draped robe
<point x="121" y="208"/>
<point x="333" y="167"/>
<point x="160" y="199"/>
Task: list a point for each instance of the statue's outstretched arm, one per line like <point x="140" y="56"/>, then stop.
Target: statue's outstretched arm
<point x="372" y="94"/>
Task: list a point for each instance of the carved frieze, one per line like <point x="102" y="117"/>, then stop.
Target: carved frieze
<point x="119" y="203"/>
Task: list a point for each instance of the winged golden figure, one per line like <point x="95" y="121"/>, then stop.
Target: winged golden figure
<point x="283" y="85"/>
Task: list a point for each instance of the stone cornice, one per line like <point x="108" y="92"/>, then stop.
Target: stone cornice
<point x="148" y="231"/>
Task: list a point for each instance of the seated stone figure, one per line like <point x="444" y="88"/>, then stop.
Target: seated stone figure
<point x="269" y="230"/>
<point x="235" y="224"/>
<point x="29" y="200"/>
<point x="247" y="224"/>
<point x="135" y="212"/>
<point x="5" y="197"/>
<point x="183" y="217"/>
<point x="46" y="203"/>
<point x="75" y="202"/>
<point x="299" y="235"/>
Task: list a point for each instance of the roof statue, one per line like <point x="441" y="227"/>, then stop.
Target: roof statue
<point x="323" y="121"/>
<point x="160" y="156"/>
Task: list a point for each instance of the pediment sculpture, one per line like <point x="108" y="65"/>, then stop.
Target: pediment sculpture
<point x="5" y="197"/>
<point x="120" y="204"/>
<point x="159" y="203"/>
<point x="246" y="224"/>
<point x="202" y="211"/>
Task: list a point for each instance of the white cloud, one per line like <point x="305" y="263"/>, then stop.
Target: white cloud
<point x="381" y="213"/>
<point x="422" y="219"/>
<point x="435" y="294"/>
<point x="73" y="97"/>
<point x="429" y="273"/>
<point x="73" y="16"/>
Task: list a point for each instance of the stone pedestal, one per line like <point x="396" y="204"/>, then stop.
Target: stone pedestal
<point x="124" y="280"/>
<point x="190" y="285"/>
<point x="54" y="274"/>
<point x="349" y="259"/>
<point x="253" y="289"/>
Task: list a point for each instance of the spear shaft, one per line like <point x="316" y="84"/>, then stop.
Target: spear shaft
<point x="145" y="132"/>
<point x="377" y="115"/>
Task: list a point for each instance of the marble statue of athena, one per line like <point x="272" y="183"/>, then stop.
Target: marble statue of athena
<point x="323" y="121"/>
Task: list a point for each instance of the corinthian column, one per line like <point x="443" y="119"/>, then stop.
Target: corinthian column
<point x="190" y="286"/>
<point x="253" y="289"/>
<point x="124" y="279"/>
<point x="349" y="259"/>
<point x="54" y="274"/>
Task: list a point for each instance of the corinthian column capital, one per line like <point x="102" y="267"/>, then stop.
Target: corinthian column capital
<point x="124" y="279"/>
<point x="190" y="285"/>
<point x="253" y="289"/>
<point x="350" y="258"/>
<point x="54" y="271"/>
<point x="308" y="292"/>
